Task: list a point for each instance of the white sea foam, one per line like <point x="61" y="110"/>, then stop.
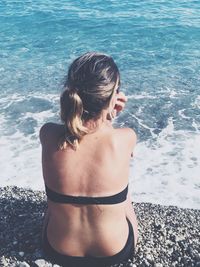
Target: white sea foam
<point x="20" y="162"/>
<point x="196" y="103"/>
<point x="142" y="96"/>
<point x="20" y="159"/>
<point x="167" y="170"/>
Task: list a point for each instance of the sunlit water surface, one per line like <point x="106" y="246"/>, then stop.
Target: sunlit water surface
<point x="156" y="45"/>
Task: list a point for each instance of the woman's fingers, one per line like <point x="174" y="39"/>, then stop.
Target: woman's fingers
<point x="119" y="106"/>
<point x="120" y="102"/>
<point x="121" y="97"/>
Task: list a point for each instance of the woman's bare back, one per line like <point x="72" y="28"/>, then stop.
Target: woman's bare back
<point x="99" y="167"/>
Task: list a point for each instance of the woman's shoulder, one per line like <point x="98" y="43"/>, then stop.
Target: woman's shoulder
<point x="127" y="135"/>
<point x="122" y="140"/>
<point x="50" y="130"/>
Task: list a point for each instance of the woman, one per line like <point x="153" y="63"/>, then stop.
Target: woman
<point x="90" y="220"/>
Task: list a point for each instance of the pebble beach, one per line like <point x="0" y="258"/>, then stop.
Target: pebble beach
<point x="168" y="235"/>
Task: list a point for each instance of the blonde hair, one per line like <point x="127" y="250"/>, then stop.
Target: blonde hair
<point x="71" y="114"/>
<point x="88" y="90"/>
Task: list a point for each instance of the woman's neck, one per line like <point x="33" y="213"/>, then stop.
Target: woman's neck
<point x="96" y="124"/>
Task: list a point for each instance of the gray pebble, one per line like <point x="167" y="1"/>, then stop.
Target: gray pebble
<point x="21" y="253"/>
<point x="42" y="263"/>
<point x="170" y="250"/>
<point x="22" y="264"/>
<point x="4" y="262"/>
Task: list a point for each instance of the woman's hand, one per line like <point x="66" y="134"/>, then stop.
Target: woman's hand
<point x="121" y="100"/>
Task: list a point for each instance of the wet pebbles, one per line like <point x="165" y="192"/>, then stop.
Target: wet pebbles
<point x="169" y="236"/>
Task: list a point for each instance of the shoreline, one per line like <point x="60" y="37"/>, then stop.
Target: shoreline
<point x="168" y="235"/>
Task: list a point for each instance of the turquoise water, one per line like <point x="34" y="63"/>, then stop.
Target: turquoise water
<point x="156" y="45"/>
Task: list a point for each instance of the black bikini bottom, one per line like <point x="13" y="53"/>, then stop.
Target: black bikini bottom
<point x="88" y="261"/>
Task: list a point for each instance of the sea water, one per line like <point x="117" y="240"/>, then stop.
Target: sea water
<point x="156" y="44"/>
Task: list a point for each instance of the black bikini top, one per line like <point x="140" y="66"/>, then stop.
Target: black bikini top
<point x="68" y="199"/>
